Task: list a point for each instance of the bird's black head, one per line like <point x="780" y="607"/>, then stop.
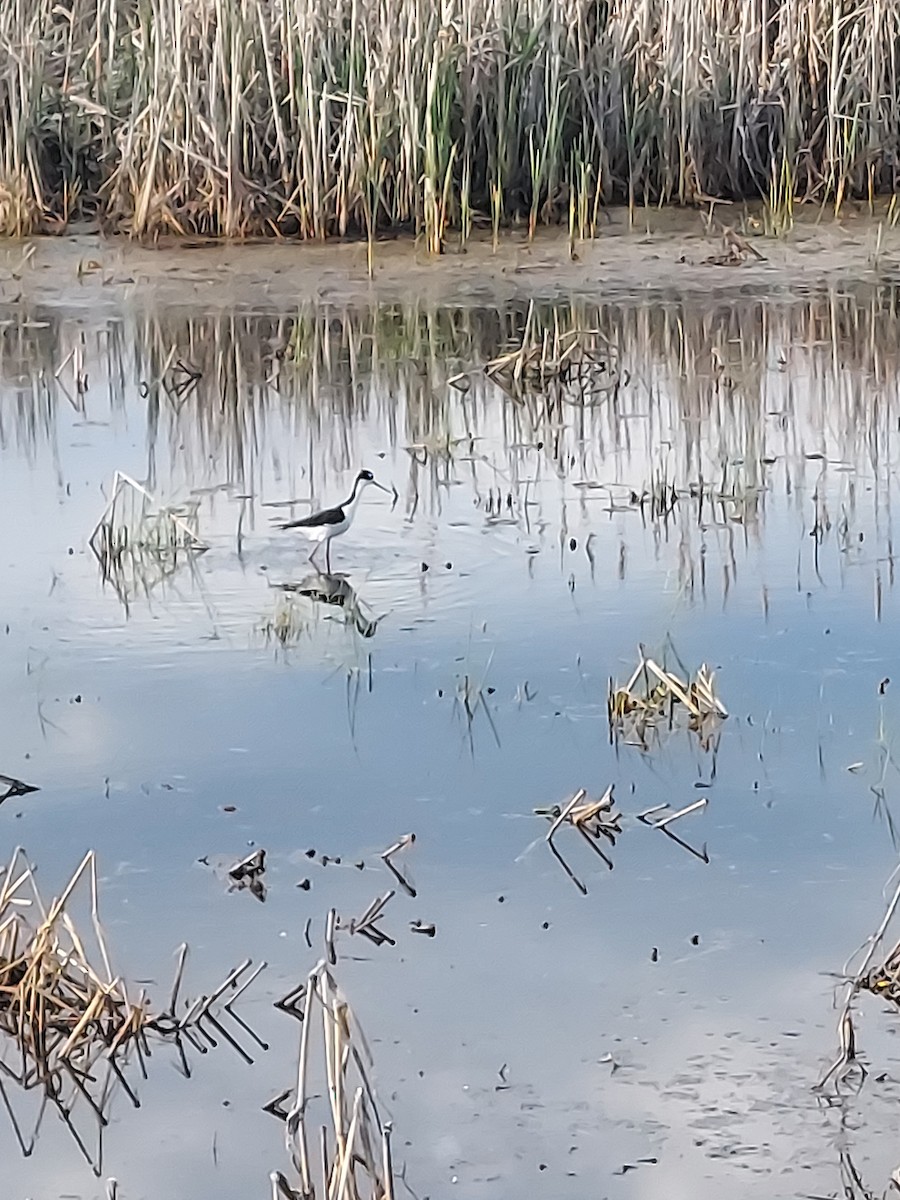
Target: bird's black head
<point x="362" y="479"/>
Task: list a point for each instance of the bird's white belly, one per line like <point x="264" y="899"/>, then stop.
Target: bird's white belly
<point x="322" y="533"/>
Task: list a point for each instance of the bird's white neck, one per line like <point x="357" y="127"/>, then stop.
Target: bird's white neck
<point x="355" y="496"/>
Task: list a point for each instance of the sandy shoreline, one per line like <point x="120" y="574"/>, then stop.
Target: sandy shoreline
<point x="670" y="254"/>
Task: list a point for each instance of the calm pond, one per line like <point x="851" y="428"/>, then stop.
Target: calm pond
<point x="714" y="481"/>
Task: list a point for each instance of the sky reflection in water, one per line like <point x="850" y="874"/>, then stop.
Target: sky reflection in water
<point x="145" y="723"/>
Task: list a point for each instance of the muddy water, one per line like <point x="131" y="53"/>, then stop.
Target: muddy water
<point x="657" y="1037"/>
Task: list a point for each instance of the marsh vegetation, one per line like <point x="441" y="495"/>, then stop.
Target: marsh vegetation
<point x="233" y="118"/>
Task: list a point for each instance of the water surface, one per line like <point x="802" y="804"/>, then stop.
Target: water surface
<point x="659" y="1037"/>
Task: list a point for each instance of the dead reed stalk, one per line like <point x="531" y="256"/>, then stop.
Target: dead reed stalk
<point x="354" y="1160"/>
<point x="139" y="543"/>
<point x="592" y="819"/>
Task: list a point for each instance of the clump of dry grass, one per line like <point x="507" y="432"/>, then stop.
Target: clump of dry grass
<point x="70" y="1029"/>
<point x="139" y="543"/>
<point x="656" y="698"/>
<point x="240" y="117"/>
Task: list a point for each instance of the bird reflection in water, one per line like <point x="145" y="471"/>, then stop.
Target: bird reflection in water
<point x="334" y="590"/>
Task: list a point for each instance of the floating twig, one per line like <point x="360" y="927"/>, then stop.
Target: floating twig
<point x="387" y="856"/>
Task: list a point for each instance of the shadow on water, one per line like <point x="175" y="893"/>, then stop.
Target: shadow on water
<point x="582" y="487"/>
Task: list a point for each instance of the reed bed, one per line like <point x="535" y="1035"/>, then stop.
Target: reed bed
<point x="232" y="118"/>
<point x="705" y="379"/>
<point x="71" y="1031"/>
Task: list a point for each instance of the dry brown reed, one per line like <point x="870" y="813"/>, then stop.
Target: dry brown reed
<point x="70" y="1028"/>
<point x="655" y="698"/>
<point x="592" y="819"/>
<point x="573" y="364"/>
<point x="343" y="1153"/>
<point x="663" y="816"/>
<point x="239" y="117"/>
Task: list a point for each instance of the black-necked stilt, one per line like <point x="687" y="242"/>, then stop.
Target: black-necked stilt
<point x="332" y="522"/>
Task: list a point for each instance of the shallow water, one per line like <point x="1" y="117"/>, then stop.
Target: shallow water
<point x="658" y="1037"/>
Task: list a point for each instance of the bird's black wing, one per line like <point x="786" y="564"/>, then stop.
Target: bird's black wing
<point x="328" y="516"/>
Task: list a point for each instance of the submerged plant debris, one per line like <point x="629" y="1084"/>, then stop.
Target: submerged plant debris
<point x="248" y="874"/>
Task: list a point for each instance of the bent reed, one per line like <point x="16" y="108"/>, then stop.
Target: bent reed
<point x="235" y="118"/>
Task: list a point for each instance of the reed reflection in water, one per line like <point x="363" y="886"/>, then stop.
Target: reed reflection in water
<point x="572" y="479"/>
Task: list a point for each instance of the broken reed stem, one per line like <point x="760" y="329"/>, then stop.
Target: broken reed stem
<point x="295" y="1124"/>
<point x="352" y="1142"/>
<point x="682" y="812"/>
<point x="564" y="813"/>
<point x="387" y="1160"/>
<point x="346" y="1147"/>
